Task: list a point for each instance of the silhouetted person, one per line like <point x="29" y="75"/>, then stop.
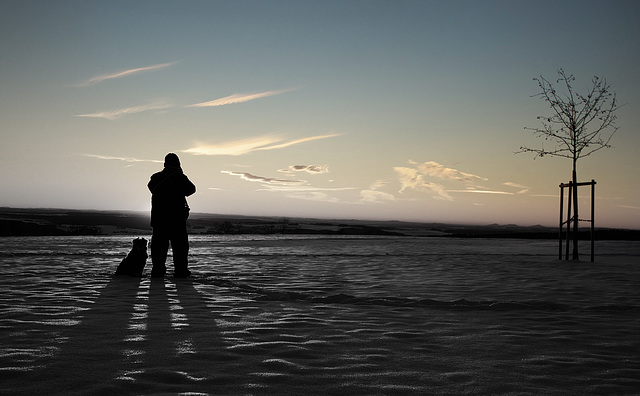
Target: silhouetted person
<point x="169" y="211"/>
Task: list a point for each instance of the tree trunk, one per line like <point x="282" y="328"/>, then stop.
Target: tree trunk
<point x="575" y="213"/>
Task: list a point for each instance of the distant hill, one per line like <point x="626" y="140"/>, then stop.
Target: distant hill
<point x="19" y="222"/>
<point x="33" y="222"/>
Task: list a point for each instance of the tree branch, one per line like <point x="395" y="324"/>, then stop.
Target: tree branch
<point x="572" y="115"/>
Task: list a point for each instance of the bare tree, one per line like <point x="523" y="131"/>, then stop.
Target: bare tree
<point x="579" y="125"/>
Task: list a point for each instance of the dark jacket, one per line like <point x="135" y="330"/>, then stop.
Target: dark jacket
<point x="169" y="189"/>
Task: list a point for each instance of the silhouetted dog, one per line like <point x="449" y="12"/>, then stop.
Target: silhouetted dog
<point x="134" y="263"/>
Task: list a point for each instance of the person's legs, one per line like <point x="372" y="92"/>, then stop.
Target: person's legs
<point x="159" y="249"/>
<point x="180" y="249"/>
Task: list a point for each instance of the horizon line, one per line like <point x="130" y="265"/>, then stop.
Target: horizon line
<point x="453" y="223"/>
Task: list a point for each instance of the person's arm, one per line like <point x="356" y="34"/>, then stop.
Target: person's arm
<point x="189" y="187"/>
<point x="152" y="184"/>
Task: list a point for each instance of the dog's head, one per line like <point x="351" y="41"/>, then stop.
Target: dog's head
<point x="140" y="244"/>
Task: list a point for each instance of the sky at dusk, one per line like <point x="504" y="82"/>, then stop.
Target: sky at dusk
<point x="395" y="110"/>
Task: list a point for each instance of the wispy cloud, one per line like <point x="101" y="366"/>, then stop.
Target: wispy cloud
<point x="124" y="159"/>
<point x="125" y="73"/>
<point x="376" y="196"/>
<point x="114" y="114"/>
<point x="265" y="180"/>
<point x="476" y="191"/>
<point x="236" y="147"/>
<point x="298" y="141"/>
<point x="313" y="169"/>
<point x="434" y="169"/>
<point x="239" y="98"/>
<point x="629" y="207"/>
<point x="317" y="196"/>
<point x="304" y="188"/>
<point x="411" y="178"/>
<point x="416" y="178"/>
<point x="373" y="195"/>
<point x="523" y="189"/>
<point x="306" y="192"/>
<point x="245" y="146"/>
<point x="296" y="189"/>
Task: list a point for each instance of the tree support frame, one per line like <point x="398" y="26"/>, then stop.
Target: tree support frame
<point x="570" y="218"/>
